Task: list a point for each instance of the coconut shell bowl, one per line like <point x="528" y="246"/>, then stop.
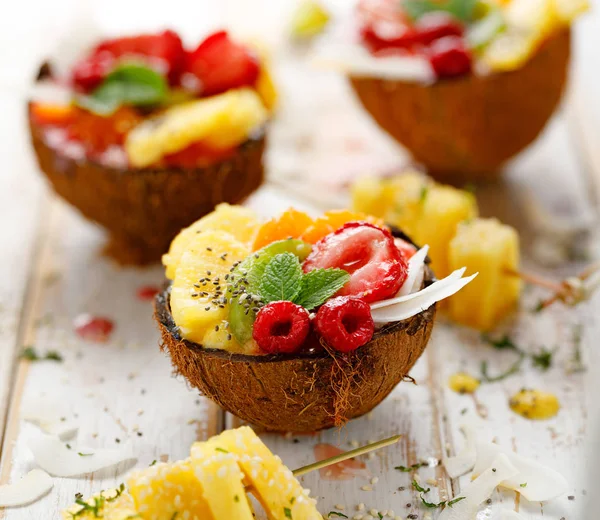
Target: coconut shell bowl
<point x="480" y="91"/>
<point x="297" y="324"/>
<point x="148" y="136"/>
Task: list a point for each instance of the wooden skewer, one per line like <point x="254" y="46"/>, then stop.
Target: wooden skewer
<point x="347" y="455"/>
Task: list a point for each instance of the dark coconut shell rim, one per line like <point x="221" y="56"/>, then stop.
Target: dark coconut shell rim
<point x="165" y="318"/>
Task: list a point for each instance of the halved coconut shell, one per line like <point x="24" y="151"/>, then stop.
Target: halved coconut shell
<point x="466" y="128"/>
<point x="143" y="209"/>
<point x="303" y="392"/>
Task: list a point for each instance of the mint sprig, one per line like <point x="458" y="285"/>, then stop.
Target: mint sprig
<point x="128" y="84"/>
<point x="461" y="9"/>
<point x="283" y="279"/>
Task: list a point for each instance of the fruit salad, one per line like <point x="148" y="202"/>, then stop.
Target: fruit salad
<point x="453" y="38"/>
<point x="146" y="101"/>
<point x="212" y="484"/>
<point x="458" y="238"/>
<point x="295" y="284"/>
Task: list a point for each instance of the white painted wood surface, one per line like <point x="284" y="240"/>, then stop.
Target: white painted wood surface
<point x="53" y="273"/>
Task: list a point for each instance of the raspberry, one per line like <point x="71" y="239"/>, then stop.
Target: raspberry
<point x="449" y="57"/>
<point x="88" y="73"/>
<point x="221" y="64"/>
<point x="345" y="323"/>
<point x="377" y="268"/>
<point x="281" y="327"/>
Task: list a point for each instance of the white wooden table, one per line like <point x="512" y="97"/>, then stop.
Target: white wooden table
<point x="123" y="389"/>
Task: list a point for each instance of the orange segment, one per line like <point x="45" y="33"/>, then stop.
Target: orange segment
<point x="290" y="224"/>
<point x="52" y="114"/>
<point x="332" y="221"/>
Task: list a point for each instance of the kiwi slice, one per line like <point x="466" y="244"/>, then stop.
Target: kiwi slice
<point x="245" y="279"/>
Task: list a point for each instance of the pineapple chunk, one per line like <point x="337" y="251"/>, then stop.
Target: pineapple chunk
<point x="162" y="490"/>
<point x="274" y="485"/>
<point x="491" y="248"/>
<point x="309" y="19"/>
<point x="221" y="121"/>
<point x="241" y="223"/>
<point x="221" y="478"/>
<point x="114" y="504"/>
<point x="443" y="208"/>
<point x="198" y="310"/>
<point x="371" y="196"/>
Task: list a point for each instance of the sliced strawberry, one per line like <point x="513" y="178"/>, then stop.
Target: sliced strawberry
<point x="163" y="52"/>
<point x="406" y="248"/>
<point x="221" y="64"/>
<point x="377" y="268"/>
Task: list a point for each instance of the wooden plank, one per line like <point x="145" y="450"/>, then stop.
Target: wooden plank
<point x="121" y="389"/>
<point x="20" y="199"/>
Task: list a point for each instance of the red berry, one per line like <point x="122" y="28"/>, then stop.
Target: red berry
<point x="221" y="64"/>
<point x="377" y="268"/>
<point x="281" y="327"/>
<point x="449" y="57"/>
<point x="345" y="323"/>
<point x="435" y="25"/>
<point x="406" y="248"/>
<point x="88" y="73"/>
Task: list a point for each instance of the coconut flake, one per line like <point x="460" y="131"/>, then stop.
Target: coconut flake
<point x="50" y="419"/>
<point x="58" y="460"/>
<point x="28" y="489"/>
<point x="480" y="490"/>
<point x="536" y="482"/>
<point x="508" y="514"/>
<point x="422" y="300"/>
<point x="464" y="461"/>
<point x="416" y="270"/>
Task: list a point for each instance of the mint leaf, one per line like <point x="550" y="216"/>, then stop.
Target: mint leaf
<point x="281" y="279"/>
<point x="461" y="9"/>
<point x="319" y="285"/>
<point x="128" y="84"/>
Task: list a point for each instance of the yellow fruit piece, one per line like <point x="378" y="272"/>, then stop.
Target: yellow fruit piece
<point x="492" y="249"/>
<point x="162" y="490"/>
<point x="372" y="196"/>
<point x="111" y="504"/>
<point x="309" y="19"/>
<point x="443" y="208"/>
<point x="222" y="121"/>
<point x="462" y="383"/>
<point x="241" y="223"/>
<point x="535" y="404"/>
<point x="198" y="301"/>
<point x="274" y="485"/>
<point x="567" y="10"/>
<point x="221" y="479"/>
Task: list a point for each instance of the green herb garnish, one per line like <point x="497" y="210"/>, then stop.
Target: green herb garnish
<point x="287" y="512"/>
<point x="84" y="454"/>
<point x="419" y="488"/>
<point x="221" y="450"/>
<point x="543" y="359"/>
<point x="454" y="501"/>
<point x="335" y="513"/>
<point x="408" y="469"/>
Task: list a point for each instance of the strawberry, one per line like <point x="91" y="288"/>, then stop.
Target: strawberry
<point x="406" y="248"/>
<point x="377" y="268"/>
<point x="220" y="64"/>
<point x="163" y="51"/>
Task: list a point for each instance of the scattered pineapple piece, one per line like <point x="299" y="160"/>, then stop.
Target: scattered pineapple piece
<point x="224" y="491"/>
<point x="274" y="485"/>
<point x="113" y="504"/>
<point x="162" y="490"/>
<point x="492" y="249"/>
<point x="309" y="19"/>
<point x="221" y="121"/>
<point x="462" y="383"/>
<point x="242" y="223"/>
<point x="372" y="196"/>
<point x="209" y="256"/>
<point x="535" y="404"/>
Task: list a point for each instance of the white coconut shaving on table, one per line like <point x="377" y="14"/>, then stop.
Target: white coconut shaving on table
<point x="507" y="514"/>
<point x="49" y="419"/>
<point x="464" y="461"/>
<point x="535" y="482"/>
<point x="404" y="307"/>
<point x="416" y="272"/>
<point x="480" y="490"/>
<point x="28" y="489"/>
<point x="57" y="459"/>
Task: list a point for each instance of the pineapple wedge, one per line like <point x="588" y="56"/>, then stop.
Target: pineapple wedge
<point x="491" y="248"/>
<point x="113" y="504"/>
<point x="198" y="300"/>
<point x="164" y="490"/>
<point x="372" y="196"/>
<point x="221" y="121"/>
<point x="241" y="223"/>
<point x="443" y="208"/>
<point x="221" y="478"/>
<point x="274" y="485"/>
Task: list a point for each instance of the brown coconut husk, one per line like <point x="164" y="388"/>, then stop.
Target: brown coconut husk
<point x="144" y="209"/>
<point x="464" y="129"/>
<point x="304" y="392"/>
